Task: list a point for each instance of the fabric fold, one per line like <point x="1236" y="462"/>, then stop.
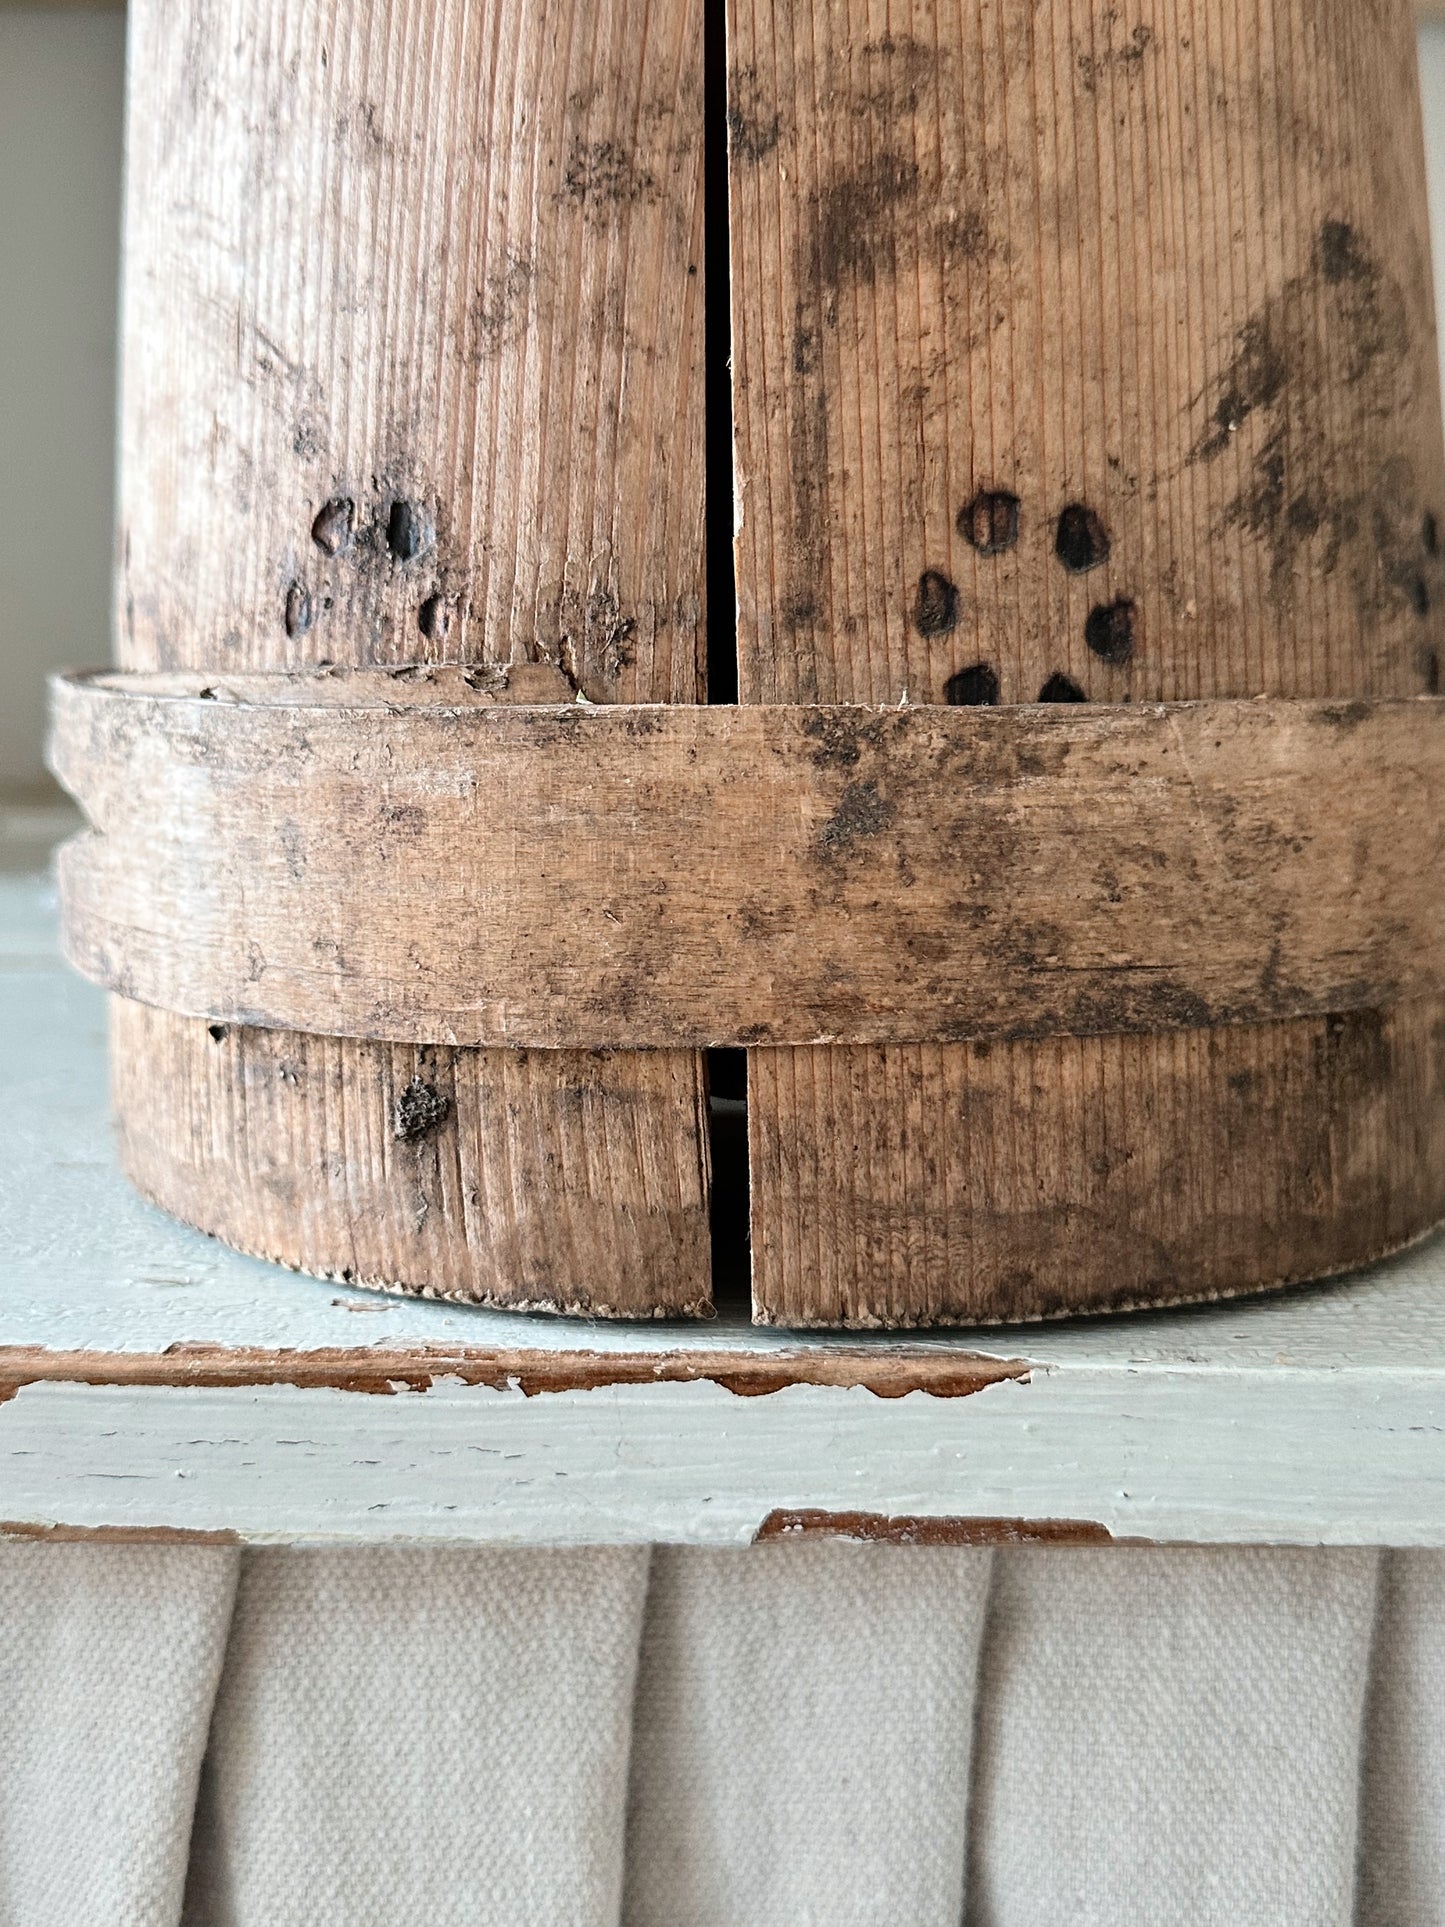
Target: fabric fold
<point x="1171" y="1736"/>
<point x="409" y="1735"/>
<point x="1402" y="1833"/>
<point x="802" y="1737"/>
<point x="109" y="1659"/>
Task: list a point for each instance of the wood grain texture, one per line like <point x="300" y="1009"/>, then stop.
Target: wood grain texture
<point x="676" y="874"/>
<point x="939" y="1184"/>
<point x="546" y="1180"/>
<point x="1085" y="353"/>
<point x="412" y="373"/>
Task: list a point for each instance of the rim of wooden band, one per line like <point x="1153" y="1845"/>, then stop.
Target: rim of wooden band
<point x="403" y="857"/>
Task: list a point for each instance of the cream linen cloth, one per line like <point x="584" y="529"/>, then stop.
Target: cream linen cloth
<point x="797" y="1734"/>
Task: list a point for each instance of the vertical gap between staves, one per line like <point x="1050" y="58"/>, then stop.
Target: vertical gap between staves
<point x="726" y="1069"/>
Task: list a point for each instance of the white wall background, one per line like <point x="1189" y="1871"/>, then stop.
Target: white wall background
<point x="61" y="75"/>
<point x="60" y="156"/>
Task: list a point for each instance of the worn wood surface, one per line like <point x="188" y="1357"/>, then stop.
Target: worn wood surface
<point x="719" y="875"/>
<point x="413" y="373"/>
<point x="1083" y="353"/>
<point x="153" y="1382"/>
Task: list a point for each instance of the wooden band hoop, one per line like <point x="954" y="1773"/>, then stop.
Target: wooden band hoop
<point x="369" y="856"/>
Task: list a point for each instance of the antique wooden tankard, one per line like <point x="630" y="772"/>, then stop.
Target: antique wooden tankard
<point x="1070" y="864"/>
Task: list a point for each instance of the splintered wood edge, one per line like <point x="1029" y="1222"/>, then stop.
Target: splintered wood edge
<point x="533" y="1373"/>
<point x="312" y="856"/>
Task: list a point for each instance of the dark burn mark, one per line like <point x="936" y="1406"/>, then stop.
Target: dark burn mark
<point x="1430" y="533"/>
<point x="935" y="612"/>
<point x="408" y="530"/>
<point x="1430" y="671"/>
<point x="1061" y="689"/>
<point x="420" y="1110"/>
<point x="217" y="1032"/>
<point x="434" y="618"/>
<point x="605" y="172"/>
<point x="991" y="521"/>
<point x="861" y="813"/>
<point x="1082" y="541"/>
<point x="1109" y="631"/>
<point x="1416" y="593"/>
<point x="972" y="688"/>
<point x="298" y="610"/>
<point x="332" y="529"/>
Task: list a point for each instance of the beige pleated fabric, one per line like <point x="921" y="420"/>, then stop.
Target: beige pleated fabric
<point x="421" y="1739"/>
<point x="1402" y="1848"/>
<point x="813" y="1733"/>
<point x="1171" y="1737"/>
<point x="802" y="1737"/>
<point x="109" y="1657"/>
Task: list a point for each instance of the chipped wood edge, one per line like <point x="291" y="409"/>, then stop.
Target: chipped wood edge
<point x="875" y="1528"/>
<point x="533" y="1373"/>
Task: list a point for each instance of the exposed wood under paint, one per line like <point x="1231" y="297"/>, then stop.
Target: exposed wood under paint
<point x="532" y="1373"/>
<point x="870" y="1528"/>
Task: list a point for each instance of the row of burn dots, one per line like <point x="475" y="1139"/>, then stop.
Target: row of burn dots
<point x="990" y="523"/>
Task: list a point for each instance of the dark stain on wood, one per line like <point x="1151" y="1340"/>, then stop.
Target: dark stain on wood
<point x="753" y="123"/>
<point x="420" y="1110"/>
<point x="1255" y="379"/>
<point x="861" y="813"/>
<point x="605" y="174"/>
<point x="855" y="230"/>
<point x="1341" y="323"/>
